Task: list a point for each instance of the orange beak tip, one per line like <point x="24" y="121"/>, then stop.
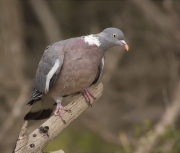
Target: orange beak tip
<point x="127" y="47"/>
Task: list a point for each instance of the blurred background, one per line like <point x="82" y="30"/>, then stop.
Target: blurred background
<point x="139" y="111"/>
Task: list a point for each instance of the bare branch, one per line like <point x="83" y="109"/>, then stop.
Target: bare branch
<point x="39" y="138"/>
<point x="22" y="139"/>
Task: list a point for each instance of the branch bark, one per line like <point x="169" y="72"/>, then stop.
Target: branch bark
<point x="39" y="138"/>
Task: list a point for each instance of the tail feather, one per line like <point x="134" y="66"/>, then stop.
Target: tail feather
<point x="41" y="109"/>
<point x="32" y="101"/>
<point x="39" y="115"/>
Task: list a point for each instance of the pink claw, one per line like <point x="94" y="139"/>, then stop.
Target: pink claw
<point x="59" y="109"/>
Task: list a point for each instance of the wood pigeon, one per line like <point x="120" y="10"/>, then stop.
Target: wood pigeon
<point x="68" y="67"/>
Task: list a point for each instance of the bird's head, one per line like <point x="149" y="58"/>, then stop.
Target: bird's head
<point x="111" y="37"/>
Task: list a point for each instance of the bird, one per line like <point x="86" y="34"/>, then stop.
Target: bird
<point x="69" y="67"/>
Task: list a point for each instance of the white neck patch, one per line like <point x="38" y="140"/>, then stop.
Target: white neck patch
<point x="92" y="40"/>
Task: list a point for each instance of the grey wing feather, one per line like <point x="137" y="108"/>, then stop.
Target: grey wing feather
<point x="47" y="72"/>
<point x="99" y="72"/>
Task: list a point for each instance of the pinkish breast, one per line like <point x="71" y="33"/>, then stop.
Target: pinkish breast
<point x="79" y="68"/>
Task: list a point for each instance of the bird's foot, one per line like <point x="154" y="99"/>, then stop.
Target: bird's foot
<point x="59" y="109"/>
<point x="87" y="94"/>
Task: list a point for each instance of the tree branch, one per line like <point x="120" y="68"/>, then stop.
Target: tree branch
<point x="39" y="138"/>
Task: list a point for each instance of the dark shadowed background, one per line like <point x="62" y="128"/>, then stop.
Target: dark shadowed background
<point x="141" y="87"/>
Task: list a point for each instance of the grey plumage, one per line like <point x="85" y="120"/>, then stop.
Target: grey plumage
<point x="70" y="66"/>
<point x="51" y="54"/>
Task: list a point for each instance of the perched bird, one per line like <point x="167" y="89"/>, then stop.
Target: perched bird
<point x="68" y="67"/>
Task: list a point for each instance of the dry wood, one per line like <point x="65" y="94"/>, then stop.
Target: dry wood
<point x="39" y="138"/>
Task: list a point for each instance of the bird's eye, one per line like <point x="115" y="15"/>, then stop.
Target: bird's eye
<point x="114" y="35"/>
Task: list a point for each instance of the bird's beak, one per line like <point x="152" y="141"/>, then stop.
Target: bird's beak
<point x="126" y="47"/>
<point x="123" y="43"/>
